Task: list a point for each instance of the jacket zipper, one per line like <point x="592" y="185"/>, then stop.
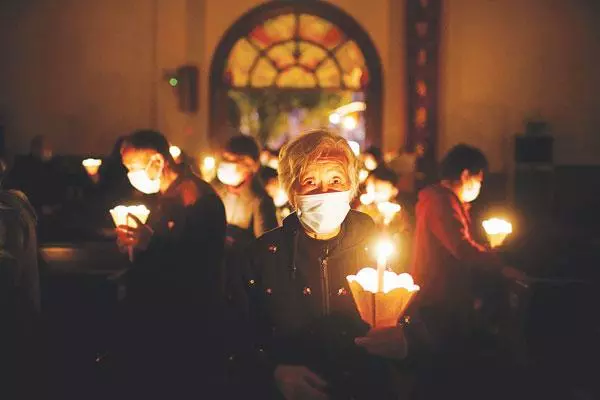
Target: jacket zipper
<point x="325" y="282"/>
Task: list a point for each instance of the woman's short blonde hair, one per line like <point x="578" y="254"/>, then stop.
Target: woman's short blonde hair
<point x="298" y="154"/>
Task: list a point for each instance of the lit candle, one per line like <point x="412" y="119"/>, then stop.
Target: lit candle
<point x="207" y="168"/>
<point x="384" y="250"/>
<point x="175" y="152"/>
<point x="381" y="308"/>
<point x="91" y="165"/>
<point x="388" y="210"/>
<point x="122" y="217"/>
<point x="497" y="230"/>
<point x="363" y="174"/>
<point x="280" y="198"/>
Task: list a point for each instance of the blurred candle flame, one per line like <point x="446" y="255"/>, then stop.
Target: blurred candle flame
<point x="497" y="230"/>
<point x="388" y="210"/>
<point x="175" y="152"/>
<point x="385" y="248"/>
<point x="120" y="215"/>
<point x="280" y="198"/>
<point x="91" y="165"/>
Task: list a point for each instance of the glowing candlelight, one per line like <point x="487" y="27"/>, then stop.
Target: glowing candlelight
<point x="370" y="162"/>
<point x="388" y="210"/>
<point x="497" y="230"/>
<point x="175" y="152"/>
<point x="91" y="165"/>
<point x="381" y="308"/>
<point x="355" y="146"/>
<point x="384" y="251"/>
<point x="363" y="174"/>
<point x="280" y="198"/>
<point x="208" y="168"/>
<point x="209" y="163"/>
<point x="122" y="217"/>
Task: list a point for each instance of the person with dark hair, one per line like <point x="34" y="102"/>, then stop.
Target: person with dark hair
<point x="270" y="179"/>
<point x="175" y="291"/>
<point x="447" y="258"/>
<point x="250" y="211"/>
<point x="39" y="177"/>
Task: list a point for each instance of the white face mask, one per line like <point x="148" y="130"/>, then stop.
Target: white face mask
<point x="228" y="174"/>
<point x="470" y="191"/>
<point x="142" y="182"/>
<point x="323" y="213"/>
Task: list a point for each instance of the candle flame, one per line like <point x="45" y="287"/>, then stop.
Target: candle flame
<point x="385" y="248"/>
<point x="209" y="163"/>
<point x="91" y="165"/>
<point x="367" y="278"/>
<point x="175" y="152"/>
<point x="388" y="210"/>
<point x="494" y="226"/>
<point x="280" y="198"/>
<point x="363" y="174"/>
<point x="120" y="215"/>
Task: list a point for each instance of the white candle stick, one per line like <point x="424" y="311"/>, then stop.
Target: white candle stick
<point x="384" y="250"/>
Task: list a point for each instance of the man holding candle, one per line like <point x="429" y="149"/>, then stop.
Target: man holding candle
<point x="174" y="287"/>
<point x="311" y="336"/>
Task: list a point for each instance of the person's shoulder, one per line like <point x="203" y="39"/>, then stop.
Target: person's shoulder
<point x="272" y="237"/>
<point x="360" y="219"/>
<point x="192" y="189"/>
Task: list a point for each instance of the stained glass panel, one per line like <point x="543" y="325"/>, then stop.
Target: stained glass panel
<point x="318" y="30"/>
<point x="263" y="74"/>
<point x="283" y="55"/>
<point x="311" y="55"/>
<point x="274" y="30"/>
<point x="296" y="77"/>
<point x="350" y="57"/>
<point x="355" y="79"/>
<point x="241" y="58"/>
<point x="329" y="74"/>
<point x="301" y="55"/>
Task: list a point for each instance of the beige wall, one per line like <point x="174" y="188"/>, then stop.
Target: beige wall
<point x="86" y="71"/>
<point x="112" y="54"/>
<point x="78" y="71"/>
<point x="505" y="61"/>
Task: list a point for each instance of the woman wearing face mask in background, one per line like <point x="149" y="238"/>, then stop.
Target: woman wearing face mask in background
<point x="313" y="342"/>
<point x="174" y="291"/>
<point x="447" y="258"/>
<point x="249" y="209"/>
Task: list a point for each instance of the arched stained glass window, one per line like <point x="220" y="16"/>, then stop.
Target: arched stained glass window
<point x="299" y="51"/>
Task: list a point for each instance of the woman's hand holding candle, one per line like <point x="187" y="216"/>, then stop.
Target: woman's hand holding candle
<point x="386" y="342"/>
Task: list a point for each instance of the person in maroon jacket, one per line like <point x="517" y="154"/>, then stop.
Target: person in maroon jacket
<point x="446" y="256"/>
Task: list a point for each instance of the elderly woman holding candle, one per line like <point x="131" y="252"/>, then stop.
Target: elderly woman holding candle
<point x="308" y="327"/>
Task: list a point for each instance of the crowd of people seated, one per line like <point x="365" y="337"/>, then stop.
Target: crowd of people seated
<point x="237" y="287"/>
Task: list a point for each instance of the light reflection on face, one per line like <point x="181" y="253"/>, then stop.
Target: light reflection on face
<point x="326" y="174"/>
<point x="136" y="160"/>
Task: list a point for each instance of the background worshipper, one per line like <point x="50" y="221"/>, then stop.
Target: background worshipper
<point x="447" y="260"/>
<point x="314" y="342"/>
<point x="380" y="188"/>
<point x="249" y="209"/>
<point x="175" y="284"/>
<point x="21" y="351"/>
<point x="270" y="179"/>
<point x="38" y="176"/>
